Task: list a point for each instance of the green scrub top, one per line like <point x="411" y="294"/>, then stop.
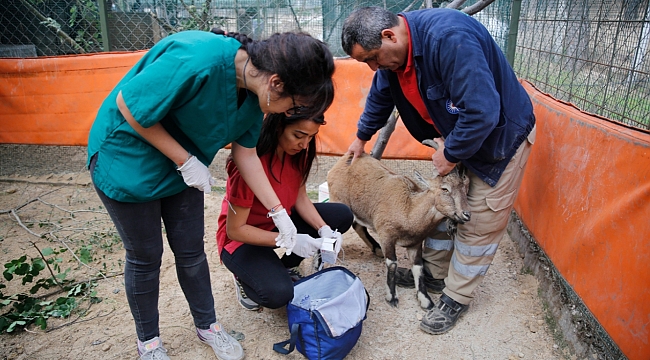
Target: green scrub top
<point x="187" y="82"/>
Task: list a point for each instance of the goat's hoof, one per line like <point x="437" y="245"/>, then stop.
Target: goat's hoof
<point x="393" y="302"/>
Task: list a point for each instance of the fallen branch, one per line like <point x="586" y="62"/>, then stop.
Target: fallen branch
<point x="55" y="292"/>
<point x="17" y="218"/>
<point x="77" y="320"/>
<point x="29" y="202"/>
<point x="48" y="266"/>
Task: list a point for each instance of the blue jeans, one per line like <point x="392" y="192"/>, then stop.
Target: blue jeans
<point x="139" y="227"/>
<point x="263" y="275"/>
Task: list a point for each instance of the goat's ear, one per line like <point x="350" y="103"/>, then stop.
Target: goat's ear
<point x="421" y="179"/>
<point x="462" y="170"/>
<point x="434" y="171"/>
<point x="430" y="143"/>
<point x="349" y="160"/>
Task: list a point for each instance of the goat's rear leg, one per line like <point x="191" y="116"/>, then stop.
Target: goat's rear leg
<point x="415" y="254"/>
<point x="363" y="233"/>
<point x="391" y="269"/>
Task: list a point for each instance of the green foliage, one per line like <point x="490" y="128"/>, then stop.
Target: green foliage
<point x="84" y="20"/>
<point x="85" y="254"/>
<point x="27" y="309"/>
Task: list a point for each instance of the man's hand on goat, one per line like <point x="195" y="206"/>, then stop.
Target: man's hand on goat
<point x="196" y="175"/>
<point x="440" y="162"/>
<point x="287" y="236"/>
<point x="306" y="246"/>
<point x="356" y="148"/>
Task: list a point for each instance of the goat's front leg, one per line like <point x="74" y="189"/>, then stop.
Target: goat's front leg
<point x="391" y="269"/>
<point x="415" y="254"/>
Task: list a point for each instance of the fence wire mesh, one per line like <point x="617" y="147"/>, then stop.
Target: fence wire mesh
<point x="593" y="54"/>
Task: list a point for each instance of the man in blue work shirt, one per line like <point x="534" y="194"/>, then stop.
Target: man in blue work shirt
<point x="450" y="81"/>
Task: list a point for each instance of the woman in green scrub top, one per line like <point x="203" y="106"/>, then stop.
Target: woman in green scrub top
<point x="155" y="134"/>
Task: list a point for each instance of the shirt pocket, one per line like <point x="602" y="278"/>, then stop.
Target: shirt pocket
<point x="435" y="92"/>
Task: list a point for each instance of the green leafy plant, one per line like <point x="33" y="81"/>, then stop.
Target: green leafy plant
<point x="26" y="309"/>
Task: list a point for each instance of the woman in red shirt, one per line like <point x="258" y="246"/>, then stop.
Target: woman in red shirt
<point x="246" y="234"/>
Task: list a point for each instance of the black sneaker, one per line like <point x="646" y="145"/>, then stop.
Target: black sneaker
<point x="294" y="273"/>
<point x="404" y="278"/>
<point x="243" y="299"/>
<point x="443" y="316"/>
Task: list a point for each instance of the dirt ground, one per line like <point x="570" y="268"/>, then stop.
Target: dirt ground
<point x="506" y="320"/>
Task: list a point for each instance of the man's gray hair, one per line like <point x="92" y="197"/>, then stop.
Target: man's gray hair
<point x="364" y="26"/>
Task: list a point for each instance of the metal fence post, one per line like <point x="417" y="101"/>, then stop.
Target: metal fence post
<point x="512" y="34"/>
<point x="103" y="20"/>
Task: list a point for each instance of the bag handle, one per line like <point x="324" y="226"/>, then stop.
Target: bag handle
<point x="279" y="347"/>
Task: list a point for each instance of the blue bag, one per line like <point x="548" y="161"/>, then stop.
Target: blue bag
<point x="326" y="314"/>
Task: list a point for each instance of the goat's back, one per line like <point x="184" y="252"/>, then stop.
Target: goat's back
<point x="367" y="186"/>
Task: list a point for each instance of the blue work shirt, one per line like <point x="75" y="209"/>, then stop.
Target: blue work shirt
<point x="186" y="82"/>
<point x="470" y="91"/>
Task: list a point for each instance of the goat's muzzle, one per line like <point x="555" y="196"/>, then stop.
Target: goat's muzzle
<point x="463" y="217"/>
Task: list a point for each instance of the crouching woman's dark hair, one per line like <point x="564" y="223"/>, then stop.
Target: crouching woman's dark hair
<point x="272" y="129"/>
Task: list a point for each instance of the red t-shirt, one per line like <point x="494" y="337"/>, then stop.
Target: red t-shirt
<point x="238" y="193"/>
<point x="408" y="81"/>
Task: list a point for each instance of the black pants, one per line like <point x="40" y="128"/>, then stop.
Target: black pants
<point x="139" y="227"/>
<point x="263" y="275"/>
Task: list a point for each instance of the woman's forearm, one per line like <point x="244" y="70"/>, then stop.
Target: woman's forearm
<point x="156" y="135"/>
<point x="307" y="211"/>
<point x="237" y="229"/>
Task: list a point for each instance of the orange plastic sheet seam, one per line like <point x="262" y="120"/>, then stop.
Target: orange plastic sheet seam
<point x="585" y="198"/>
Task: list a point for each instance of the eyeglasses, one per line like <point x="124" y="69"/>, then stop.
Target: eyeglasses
<point x="295" y="110"/>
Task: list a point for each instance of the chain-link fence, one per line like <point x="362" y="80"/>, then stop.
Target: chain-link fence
<point x="591" y="53"/>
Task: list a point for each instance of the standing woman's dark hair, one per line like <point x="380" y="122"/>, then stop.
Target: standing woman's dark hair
<point x="273" y="127"/>
<point x="304" y="64"/>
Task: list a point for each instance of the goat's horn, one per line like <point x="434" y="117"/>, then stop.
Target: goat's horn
<point x="430" y="143"/>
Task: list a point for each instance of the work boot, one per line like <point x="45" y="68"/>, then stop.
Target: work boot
<point x="443" y="316"/>
<point x="404" y="278"/>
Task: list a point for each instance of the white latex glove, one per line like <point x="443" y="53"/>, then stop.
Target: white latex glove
<point x="287" y="236"/>
<point x="197" y="175"/>
<point x="326" y="232"/>
<point x="306" y="246"/>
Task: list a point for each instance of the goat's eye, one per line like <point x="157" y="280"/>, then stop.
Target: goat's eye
<point x="445" y="189"/>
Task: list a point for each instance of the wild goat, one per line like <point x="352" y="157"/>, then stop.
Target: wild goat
<point x="399" y="210"/>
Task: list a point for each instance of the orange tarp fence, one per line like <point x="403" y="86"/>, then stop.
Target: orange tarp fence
<point x="585" y="196"/>
<point x="54" y="100"/>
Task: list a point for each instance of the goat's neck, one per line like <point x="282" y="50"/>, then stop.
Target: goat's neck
<point x="424" y="203"/>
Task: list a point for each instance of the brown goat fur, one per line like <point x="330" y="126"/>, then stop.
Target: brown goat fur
<point x="399" y="210"/>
